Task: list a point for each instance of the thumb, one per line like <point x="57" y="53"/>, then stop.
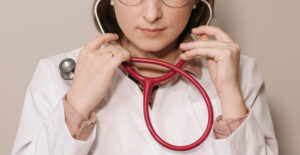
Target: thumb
<point x="204" y="37"/>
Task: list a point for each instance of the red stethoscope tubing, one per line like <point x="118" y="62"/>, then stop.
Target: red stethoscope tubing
<point x="149" y="82"/>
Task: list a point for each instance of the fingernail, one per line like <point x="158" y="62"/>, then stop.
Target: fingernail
<point x="199" y="37"/>
<point x="182" y="56"/>
<point x="183" y="44"/>
<point x="114" y="42"/>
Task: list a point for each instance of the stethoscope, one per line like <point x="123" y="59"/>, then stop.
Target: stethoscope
<point x="67" y="68"/>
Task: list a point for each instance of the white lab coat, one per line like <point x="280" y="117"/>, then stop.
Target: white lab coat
<point x="179" y="116"/>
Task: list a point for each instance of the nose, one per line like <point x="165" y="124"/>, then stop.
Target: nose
<point x="152" y="10"/>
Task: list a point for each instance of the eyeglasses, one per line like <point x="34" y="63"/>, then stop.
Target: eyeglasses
<point x="169" y="3"/>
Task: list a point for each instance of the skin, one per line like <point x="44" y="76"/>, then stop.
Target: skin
<point x="95" y="66"/>
<point x="223" y="57"/>
<point x="152" y="13"/>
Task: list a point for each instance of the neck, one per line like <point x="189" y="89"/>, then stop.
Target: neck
<point x="168" y="54"/>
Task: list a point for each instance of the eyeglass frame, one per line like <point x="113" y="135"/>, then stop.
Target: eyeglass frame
<point x="102" y="30"/>
<point x="140" y="1"/>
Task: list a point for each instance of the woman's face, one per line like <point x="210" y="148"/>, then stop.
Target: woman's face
<point x="152" y="14"/>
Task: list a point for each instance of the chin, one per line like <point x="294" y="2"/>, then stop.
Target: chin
<point x="152" y="48"/>
<point x="151" y="45"/>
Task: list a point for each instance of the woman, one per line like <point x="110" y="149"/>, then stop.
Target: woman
<point x="100" y="111"/>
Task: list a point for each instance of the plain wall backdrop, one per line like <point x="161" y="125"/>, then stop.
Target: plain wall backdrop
<point x="267" y="30"/>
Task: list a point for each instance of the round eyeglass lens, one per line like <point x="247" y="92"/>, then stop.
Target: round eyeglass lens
<point x="174" y="3"/>
<point x="170" y="3"/>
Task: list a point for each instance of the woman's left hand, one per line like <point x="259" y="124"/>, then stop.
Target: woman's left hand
<point x="222" y="57"/>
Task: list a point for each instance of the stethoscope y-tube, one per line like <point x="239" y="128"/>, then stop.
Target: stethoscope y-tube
<point x="67" y="68"/>
<point x="148" y="84"/>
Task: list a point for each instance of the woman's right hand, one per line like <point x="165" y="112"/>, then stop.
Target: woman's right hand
<point x="94" y="70"/>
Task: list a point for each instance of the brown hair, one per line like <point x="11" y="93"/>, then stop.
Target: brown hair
<point x="106" y="14"/>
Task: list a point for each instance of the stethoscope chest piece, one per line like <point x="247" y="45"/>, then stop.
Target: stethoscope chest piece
<point x="67" y="67"/>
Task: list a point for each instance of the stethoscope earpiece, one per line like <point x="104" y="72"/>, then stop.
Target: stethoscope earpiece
<point x="67" y="68"/>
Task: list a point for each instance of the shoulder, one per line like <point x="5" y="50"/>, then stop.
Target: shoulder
<point x="249" y="69"/>
<point x="251" y="79"/>
<point x="54" y="60"/>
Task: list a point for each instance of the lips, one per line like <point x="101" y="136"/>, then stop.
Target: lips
<point x="151" y="32"/>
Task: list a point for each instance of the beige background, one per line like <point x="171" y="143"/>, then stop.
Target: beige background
<point x="267" y="30"/>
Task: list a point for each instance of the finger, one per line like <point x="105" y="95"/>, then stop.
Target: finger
<point x="120" y="56"/>
<point x="215" y="53"/>
<point x="201" y="37"/>
<point x="203" y="52"/>
<point x="185" y="57"/>
<point x="204" y="37"/>
<point x="202" y="43"/>
<point x="211" y="30"/>
<point x="114" y="49"/>
<point x="101" y="39"/>
<point x="225" y="44"/>
<point x="104" y="55"/>
<point x="110" y="49"/>
<point x="103" y="58"/>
